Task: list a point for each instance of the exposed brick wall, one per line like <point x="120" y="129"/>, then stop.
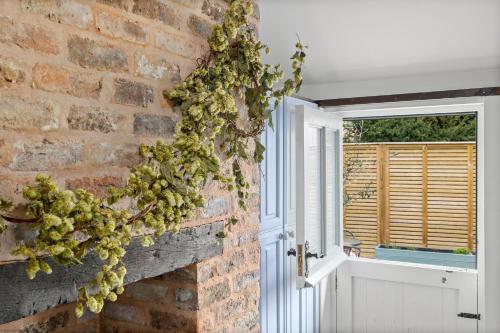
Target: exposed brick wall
<point x="80" y="88"/>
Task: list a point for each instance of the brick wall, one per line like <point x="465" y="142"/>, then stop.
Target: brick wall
<point x="80" y="88"/>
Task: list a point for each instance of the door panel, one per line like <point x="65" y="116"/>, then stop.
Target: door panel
<point x="271" y="283"/>
<point x="271" y="190"/>
<point x="376" y="296"/>
<point x="272" y="271"/>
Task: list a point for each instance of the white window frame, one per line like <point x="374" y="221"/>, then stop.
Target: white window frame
<point x="309" y="275"/>
<point x="436" y="107"/>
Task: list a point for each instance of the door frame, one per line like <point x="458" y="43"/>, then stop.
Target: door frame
<point x="443" y="106"/>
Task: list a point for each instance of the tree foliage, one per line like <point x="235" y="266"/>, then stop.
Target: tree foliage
<point x="166" y="185"/>
<point x="412" y="129"/>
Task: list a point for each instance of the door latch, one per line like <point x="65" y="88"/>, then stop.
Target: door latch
<point x="310" y="255"/>
<point x="314" y="255"/>
<point x="469" y="315"/>
<point x="291" y="252"/>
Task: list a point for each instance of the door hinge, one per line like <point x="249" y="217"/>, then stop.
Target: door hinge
<point x="336" y="282"/>
<point x="469" y="315"/>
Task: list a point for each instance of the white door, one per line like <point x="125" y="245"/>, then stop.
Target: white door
<point x="382" y="296"/>
<point x="312" y="219"/>
<point x="302" y="305"/>
<point x="272" y="271"/>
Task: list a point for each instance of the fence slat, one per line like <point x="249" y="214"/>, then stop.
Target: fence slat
<point x="425" y="183"/>
<point x="423" y="195"/>
<point x="470" y="197"/>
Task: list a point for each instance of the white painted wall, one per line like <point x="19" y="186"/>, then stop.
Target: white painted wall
<point x="492" y="213"/>
<point x="366" y="40"/>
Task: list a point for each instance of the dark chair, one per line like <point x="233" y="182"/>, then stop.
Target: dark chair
<point x="351" y="244"/>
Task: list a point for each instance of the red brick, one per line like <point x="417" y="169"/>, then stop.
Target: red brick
<point x="187" y="275"/>
<point x="214" y="293"/>
<point x="28" y="36"/>
<point x="159" y="11"/>
<point x="90" y="118"/>
<point x="200" y="26"/>
<point x="247" y="322"/>
<point x="97" y="186"/>
<point x="168" y="322"/>
<point x="125" y="312"/>
<point x="39" y="39"/>
<point x="186" y="298"/>
<point x="125" y="5"/>
<point x="69" y="12"/>
<point x="53" y="78"/>
<point x="216" y="207"/>
<point x="176" y="44"/>
<point x="19" y="113"/>
<point x="246" y="279"/>
<point x="11" y="72"/>
<point x="119" y="27"/>
<point x="45" y="155"/>
<point x="231" y="308"/>
<point x="190" y="3"/>
<point x="133" y="93"/>
<point x="89" y="53"/>
<point x="153" y="125"/>
<point x="156" y="67"/>
<point x="148" y="291"/>
<point x="213" y="10"/>
<point x="116" y="154"/>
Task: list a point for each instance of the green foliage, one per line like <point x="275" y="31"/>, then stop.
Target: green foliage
<point x="461" y="250"/>
<point x="353" y="165"/>
<point x="166" y="186"/>
<point x="412" y="129"/>
<point x="4" y="205"/>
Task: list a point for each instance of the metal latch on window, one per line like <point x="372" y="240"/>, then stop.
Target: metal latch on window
<point x="469" y="315"/>
<point x="310" y="255"/>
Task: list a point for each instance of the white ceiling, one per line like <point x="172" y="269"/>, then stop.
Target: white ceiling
<point x="362" y="40"/>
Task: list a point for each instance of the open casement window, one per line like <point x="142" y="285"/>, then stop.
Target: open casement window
<point x="318" y="194"/>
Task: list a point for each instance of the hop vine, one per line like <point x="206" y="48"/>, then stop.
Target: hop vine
<point x="167" y="185"/>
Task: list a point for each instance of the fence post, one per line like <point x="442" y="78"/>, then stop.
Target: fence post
<point x="380" y="189"/>
<point x="470" y="197"/>
<point x="425" y="185"/>
<point x="383" y="215"/>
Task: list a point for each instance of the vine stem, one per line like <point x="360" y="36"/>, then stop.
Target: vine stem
<point x="13" y="219"/>
<point x="131" y="220"/>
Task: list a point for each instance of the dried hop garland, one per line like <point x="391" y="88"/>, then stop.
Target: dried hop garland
<point x="166" y="185"/>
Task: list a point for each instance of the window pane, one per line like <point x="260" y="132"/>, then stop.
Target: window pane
<point x="313" y="186"/>
<point x="330" y="189"/>
<point x="291" y="171"/>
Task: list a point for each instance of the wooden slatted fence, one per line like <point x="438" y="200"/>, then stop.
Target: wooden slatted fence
<point x="422" y="195"/>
